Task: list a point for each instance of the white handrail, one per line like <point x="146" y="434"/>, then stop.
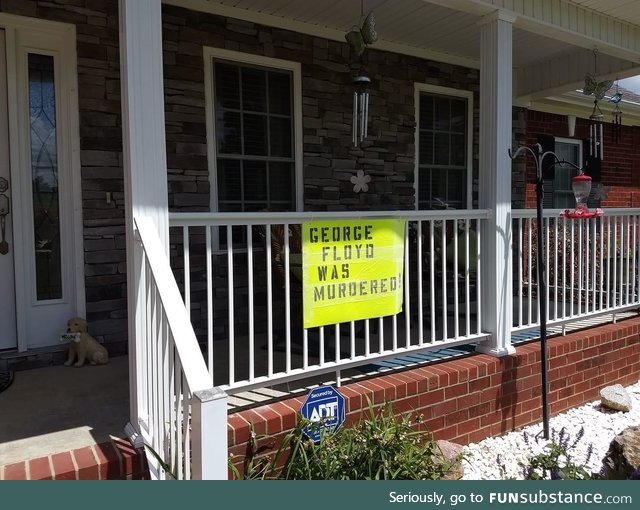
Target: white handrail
<point x="208" y="219"/>
<point x="186" y="343"/>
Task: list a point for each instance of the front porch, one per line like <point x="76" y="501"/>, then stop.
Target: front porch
<point x="64" y="423"/>
<point x="198" y="120"/>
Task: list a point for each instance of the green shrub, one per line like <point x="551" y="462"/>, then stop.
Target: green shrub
<point x="380" y="446"/>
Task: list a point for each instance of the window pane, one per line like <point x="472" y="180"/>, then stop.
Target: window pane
<point x="227" y="86"/>
<point x="457" y="150"/>
<point x="281" y="184"/>
<point x="442" y="113"/>
<point x="255" y="134"/>
<point x="458" y="116"/>
<point x="426" y="111"/>
<point x="254" y="175"/>
<point x="44" y="174"/>
<point x="254" y="91"/>
<point x="228" y="132"/>
<point x="280" y="136"/>
<point x="280" y="93"/>
<point x="456" y="188"/>
<point x="442" y="149"/>
<point x="229" y="180"/>
<point x="426" y="148"/>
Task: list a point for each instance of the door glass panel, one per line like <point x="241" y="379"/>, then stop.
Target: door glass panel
<point x="44" y="177"/>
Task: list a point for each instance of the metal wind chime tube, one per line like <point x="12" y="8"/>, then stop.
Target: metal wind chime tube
<point x="360" y="109"/>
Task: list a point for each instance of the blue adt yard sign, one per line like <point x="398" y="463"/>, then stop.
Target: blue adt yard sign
<point x="324" y="406"/>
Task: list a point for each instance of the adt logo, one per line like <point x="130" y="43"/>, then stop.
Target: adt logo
<point x="324" y="406"/>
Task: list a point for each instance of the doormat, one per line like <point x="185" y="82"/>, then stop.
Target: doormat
<point x="6" y="378"/>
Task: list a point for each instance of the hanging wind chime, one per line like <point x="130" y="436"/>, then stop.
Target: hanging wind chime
<point x="616" y="114"/>
<point x="359" y="38"/>
<point x="598" y="89"/>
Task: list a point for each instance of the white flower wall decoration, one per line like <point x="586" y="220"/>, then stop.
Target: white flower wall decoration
<point x="360" y="182"/>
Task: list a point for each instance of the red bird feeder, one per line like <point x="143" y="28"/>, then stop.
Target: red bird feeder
<point x="581" y="185"/>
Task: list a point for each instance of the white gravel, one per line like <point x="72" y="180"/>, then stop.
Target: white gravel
<point x="600" y="426"/>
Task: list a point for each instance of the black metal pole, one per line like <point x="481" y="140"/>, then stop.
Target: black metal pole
<point x="542" y="295"/>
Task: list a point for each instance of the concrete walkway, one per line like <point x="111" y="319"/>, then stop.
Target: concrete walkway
<point x="55" y="409"/>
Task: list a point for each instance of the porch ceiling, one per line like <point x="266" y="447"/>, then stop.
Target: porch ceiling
<point x="553" y="41"/>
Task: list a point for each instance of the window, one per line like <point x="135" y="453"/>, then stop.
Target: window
<point x="443" y="148"/>
<point x="557" y="191"/>
<point x="254" y="120"/>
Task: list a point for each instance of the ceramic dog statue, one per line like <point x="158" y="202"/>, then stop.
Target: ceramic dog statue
<point x="83" y="347"/>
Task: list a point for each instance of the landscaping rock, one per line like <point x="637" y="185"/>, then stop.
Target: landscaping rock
<point x="452" y="452"/>
<point x="616" y="397"/>
<point x="623" y="456"/>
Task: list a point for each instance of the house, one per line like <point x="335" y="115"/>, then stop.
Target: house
<point x="159" y="157"/>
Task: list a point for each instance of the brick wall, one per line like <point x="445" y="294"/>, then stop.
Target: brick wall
<point x="469" y="399"/>
<point x="620" y="167"/>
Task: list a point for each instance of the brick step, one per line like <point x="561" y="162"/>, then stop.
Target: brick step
<point x="112" y="460"/>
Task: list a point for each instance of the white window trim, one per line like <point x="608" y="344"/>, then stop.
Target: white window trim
<point x="247" y="58"/>
<point x="444" y="91"/>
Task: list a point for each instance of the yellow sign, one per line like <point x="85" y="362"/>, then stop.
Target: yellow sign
<point x="352" y="270"/>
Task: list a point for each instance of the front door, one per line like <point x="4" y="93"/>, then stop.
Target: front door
<point x="39" y="273"/>
<point x="8" y="335"/>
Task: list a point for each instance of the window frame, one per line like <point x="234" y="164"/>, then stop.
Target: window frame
<point x="420" y="88"/>
<point x="556" y="192"/>
<point x="239" y="58"/>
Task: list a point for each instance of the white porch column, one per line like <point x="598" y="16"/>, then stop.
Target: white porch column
<point x="144" y="159"/>
<point x="495" y="179"/>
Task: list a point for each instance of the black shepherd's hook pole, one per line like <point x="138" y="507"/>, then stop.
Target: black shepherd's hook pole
<point x="539" y="157"/>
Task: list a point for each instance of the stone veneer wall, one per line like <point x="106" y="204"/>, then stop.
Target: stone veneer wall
<point x="329" y="158"/>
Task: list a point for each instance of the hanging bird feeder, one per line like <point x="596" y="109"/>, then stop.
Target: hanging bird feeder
<point x="581" y="186"/>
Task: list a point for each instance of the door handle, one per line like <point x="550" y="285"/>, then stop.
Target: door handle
<point x="5" y="210"/>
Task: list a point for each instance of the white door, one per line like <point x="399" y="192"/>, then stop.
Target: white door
<point x="8" y="335"/>
<point x="41" y="271"/>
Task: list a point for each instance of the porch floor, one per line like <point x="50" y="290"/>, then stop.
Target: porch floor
<point x="58" y="408"/>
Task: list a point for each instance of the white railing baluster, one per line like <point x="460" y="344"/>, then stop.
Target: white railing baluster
<point x="252" y="368"/>
<point x="419" y="262"/>
<point x="443" y="273"/>
<point x="467" y="283"/>
<point x="564" y="268"/>
<point x="186" y="259"/>
<point x="287" y="298"/>
<point x="530" y="273"/>
<point x="555" y="267"/>
<point x="479" y="273"/>
<point x="209" y="275"/>
<point x="432" y="279"/>
<point x="601" y="276"/>
<point x="406" y="280"/>
<point x="456" y="305"/>
<point x="231" y="305"/>
<point x="269" y="302"/>
<point x="520" y="254"/>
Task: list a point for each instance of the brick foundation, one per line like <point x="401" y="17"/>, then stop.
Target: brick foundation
<point x="113" y="460"/>
<point x="469" y="399"/>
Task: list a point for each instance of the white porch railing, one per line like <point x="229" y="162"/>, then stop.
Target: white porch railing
<point x="180" y="415"/>
<point x="591" y="266"/>
<point x="240" y="277"/>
